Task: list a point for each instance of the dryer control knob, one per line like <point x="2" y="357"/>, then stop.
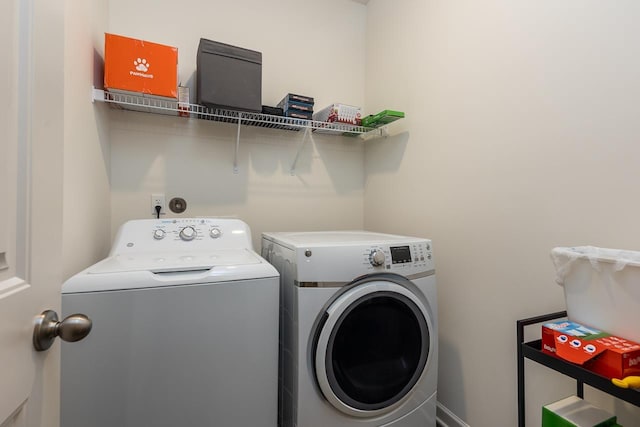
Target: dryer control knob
<point x="159" y="234"/>
<point x="215" y="233"/>
<point x="376" y="257"/>
<point x="188" y="233"/>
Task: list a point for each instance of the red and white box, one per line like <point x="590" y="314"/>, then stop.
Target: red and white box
<point x="339" y="113"/>
<point x="139" y="66"/>
<point x="598" y="351"/>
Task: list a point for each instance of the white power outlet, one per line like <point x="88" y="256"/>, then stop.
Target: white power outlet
<point x="158" y="200"/>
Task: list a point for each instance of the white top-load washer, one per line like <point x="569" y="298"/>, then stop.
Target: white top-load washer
<point x="185" y="330"/>
<point x="358" y="329"/>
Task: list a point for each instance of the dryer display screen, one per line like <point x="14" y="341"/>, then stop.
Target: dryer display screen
<point x="400" y="254"/>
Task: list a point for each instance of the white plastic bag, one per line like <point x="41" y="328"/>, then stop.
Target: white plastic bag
<point x="601" y="287"/>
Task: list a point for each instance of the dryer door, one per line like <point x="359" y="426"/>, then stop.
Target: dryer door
<point x="373" y="346"/>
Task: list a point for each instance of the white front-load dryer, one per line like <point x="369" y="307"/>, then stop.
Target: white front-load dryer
<point x="358" y="329"/>
<point x="185" y="330"/>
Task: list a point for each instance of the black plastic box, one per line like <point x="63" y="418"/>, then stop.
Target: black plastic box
<point x="228" y="77"/>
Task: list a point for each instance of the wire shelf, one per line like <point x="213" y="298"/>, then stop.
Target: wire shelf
<point x="169" y="107"/>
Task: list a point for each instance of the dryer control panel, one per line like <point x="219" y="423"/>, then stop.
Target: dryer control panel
<point x="343" y="263"/>
<point x="400" y="257"/>
<point x="341" y="256"/>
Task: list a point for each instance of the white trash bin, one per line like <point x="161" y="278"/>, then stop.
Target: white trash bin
<point x="601" y="288"/>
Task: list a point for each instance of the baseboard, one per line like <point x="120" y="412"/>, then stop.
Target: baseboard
<point x="446" y="418"/>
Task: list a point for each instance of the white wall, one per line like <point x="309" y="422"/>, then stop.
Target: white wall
<point x="308" y="48"/>
<point x="521" y="135"/>
<point x="87" y="195"/>
<point x="519" y="138"/>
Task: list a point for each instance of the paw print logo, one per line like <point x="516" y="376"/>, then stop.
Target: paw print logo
<point x="141" y="65"/>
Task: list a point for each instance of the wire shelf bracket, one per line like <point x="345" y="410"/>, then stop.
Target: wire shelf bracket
<point x="305" y="137"/>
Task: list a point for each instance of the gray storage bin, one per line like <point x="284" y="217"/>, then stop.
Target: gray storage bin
<point x="228" y="77"/>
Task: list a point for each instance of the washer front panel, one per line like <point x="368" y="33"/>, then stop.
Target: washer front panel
<point x="174" y="356"/>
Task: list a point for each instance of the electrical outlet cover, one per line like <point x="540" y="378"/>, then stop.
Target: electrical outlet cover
<point x="158" y="199"/>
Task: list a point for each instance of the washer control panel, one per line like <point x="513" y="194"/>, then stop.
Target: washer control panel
<point x="182" y="233"/>
<point x="187" y="230"/>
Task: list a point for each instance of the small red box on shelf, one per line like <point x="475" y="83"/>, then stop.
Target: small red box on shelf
<point x="598" y="351"/>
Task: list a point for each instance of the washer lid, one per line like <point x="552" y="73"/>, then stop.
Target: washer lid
<point x="162" y="262"/>
<point x="156" y="270"/>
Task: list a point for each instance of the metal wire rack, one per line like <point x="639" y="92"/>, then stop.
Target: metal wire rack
<point x="158" y="105"/>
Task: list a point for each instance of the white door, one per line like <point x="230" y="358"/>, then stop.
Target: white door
<point x="16" y="302"/>
<point x="29" y="278"/>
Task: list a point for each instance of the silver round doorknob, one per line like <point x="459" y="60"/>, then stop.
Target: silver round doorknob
<point x="73" y="328"/>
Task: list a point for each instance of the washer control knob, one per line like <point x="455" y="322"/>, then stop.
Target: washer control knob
<point x="159" y="234"/>
<point x="215" y="233"/>
<point x="188" y="233"/>
<point x="376" y="257"/>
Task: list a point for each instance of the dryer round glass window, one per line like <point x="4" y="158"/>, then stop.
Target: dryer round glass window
<point x="372" y="349"/>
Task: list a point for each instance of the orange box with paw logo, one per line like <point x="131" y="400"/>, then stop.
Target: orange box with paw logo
<point x="140" y="66"/>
